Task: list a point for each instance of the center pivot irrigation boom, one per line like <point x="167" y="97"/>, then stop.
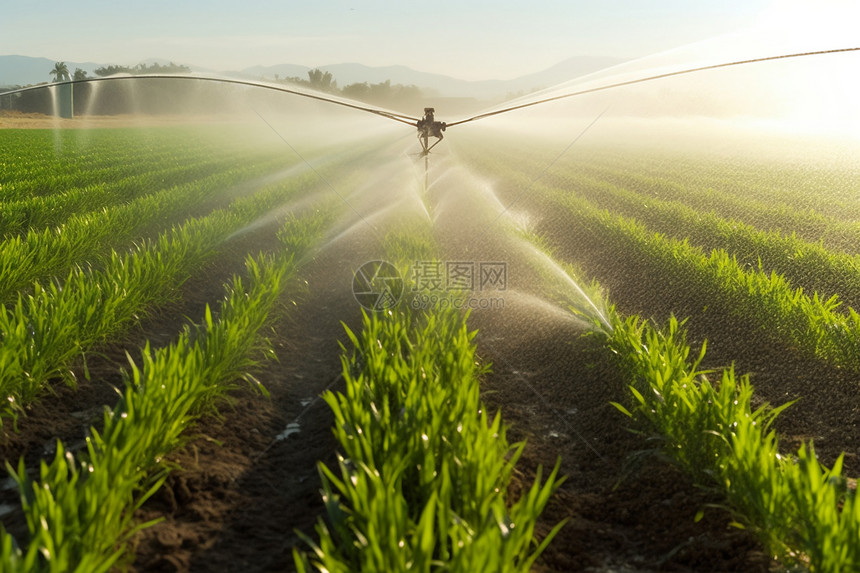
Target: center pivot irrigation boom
<point x="428" y="126"/>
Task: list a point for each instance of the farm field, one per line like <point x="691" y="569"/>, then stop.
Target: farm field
<point x="222" y="263"/>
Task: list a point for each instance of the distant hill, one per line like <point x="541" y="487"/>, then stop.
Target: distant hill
<point x="568" y="69"/>
<point x="24" y="70"/>
<point x="283" y="71"/>
<point x="445" y="85"/>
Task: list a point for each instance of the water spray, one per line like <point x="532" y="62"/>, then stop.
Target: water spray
<point x="428" y="127"/>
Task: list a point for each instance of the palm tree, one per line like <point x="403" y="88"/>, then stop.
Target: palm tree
<point x="60" y="72"/>
<point x="79" y="75"/>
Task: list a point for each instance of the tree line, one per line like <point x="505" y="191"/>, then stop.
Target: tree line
<point x="382" y="94"/>
<point x="140" y="69"/>
<point x="60" y="71"/>
<point x="154" y="96"/>
<point x="168" y="96"/>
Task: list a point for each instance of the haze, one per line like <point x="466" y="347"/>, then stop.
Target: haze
<point x="501" y="40"/>
<point x="474" y="40"/>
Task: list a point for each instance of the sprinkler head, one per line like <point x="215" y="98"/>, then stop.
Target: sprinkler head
<point x="429" y="127"/>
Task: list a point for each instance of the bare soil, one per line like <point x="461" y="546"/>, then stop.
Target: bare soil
<point x="242" y="493"/>
<point x="243" y="489"/>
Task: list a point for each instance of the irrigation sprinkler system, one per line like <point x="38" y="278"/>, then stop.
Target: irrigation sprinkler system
<point x="428" y="127"/>
<point x="600" y="225"/>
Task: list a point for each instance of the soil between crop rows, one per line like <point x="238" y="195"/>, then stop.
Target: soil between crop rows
<point x="241" y="492"/>
<point x="235" y="507"/>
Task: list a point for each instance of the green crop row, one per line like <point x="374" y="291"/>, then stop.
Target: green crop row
<point x="39" y="254"/>
<point x="800" y="204"/>
<point x="765" y="302"/>
<point x="42" y="332"/>
<point x="785" y="211"/>
<point x="79" y="510"/>
<point x="424" y="479"/>
<point x="735" y="185"/>
<point x="34" y="163"/>
<point x="39" y="212"/>
<point x="808" y="265"/>
<point x="739" y="187"/>
<point x="803" y="512"/>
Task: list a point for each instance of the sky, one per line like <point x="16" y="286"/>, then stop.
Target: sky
<point x="476" y="39"/>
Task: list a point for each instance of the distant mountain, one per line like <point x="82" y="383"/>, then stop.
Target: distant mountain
<point x="445" y="85"/>
<point x="24" y="70"/>
<point x="568" y="69"/>
<point x="282" y="70"/>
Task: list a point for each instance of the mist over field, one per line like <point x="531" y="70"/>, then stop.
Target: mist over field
<point x="598" y="317"/>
